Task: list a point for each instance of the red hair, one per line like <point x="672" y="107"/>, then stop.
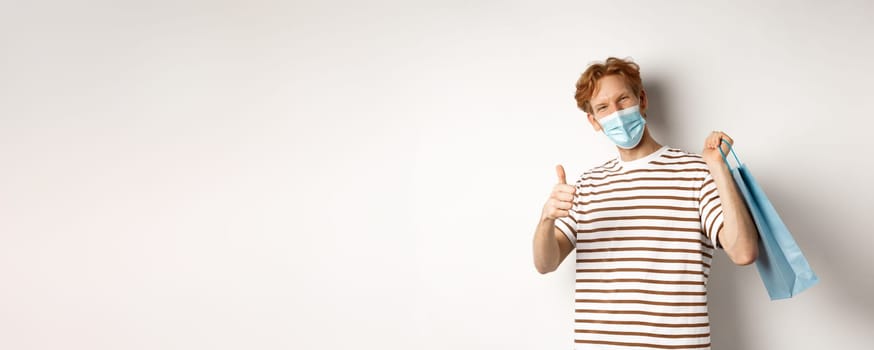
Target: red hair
<point x="625" y="68"/>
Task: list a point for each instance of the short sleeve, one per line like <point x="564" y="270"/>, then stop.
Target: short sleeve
<point x="567" y="225"/>
<point x="710" y="209"/>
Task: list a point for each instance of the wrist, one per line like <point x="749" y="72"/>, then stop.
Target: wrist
<point x="545" y="220"/>
<point x="716" y="165"/>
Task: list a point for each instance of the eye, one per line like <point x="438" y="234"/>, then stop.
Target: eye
<point x="623" y="98"/>
<point x="600" y="108"/>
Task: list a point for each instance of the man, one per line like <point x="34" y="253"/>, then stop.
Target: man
<point x="644" y="225"/>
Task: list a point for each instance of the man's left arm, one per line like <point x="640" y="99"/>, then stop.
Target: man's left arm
<point x="738" y="235"/>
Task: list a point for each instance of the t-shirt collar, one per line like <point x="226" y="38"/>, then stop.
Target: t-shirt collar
<point x="642" y="161"/>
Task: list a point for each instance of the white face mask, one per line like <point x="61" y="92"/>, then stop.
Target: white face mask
<point x="624" y="127"/>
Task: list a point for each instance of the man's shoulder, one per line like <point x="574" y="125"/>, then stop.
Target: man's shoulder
<point x="672" y="158"/>
<point x="607" y="167"/>
<point x="611" y="164"/>
<point x="673" y="152"/>
<point x="678" y="156"/>
<point x="678" y="161"/>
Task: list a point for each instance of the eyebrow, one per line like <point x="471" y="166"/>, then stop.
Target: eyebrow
<point x="621" y="95"/>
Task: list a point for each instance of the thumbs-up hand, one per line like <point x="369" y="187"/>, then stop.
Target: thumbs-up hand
<point x="561" y="199"/>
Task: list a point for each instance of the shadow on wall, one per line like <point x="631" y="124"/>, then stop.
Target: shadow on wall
<point x="726" y="318"/>
<point x="823" y="225"/>
<point x="818" y="221"/>
<point x="660" y="120"/>
<point x="846" y="273"/>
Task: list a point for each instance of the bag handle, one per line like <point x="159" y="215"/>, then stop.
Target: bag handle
<point x="730" y="149"/>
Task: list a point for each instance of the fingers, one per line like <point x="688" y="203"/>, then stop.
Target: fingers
<point x="563" y="194"/>
<point x="715" y="140"/>
<point x="563" y="205"/>
<point x="561" y="200"/>
<point x="555" y="208"/>
<point x="712" y="140"/>
<point x="560" y="171"/>
<point x="727" y="139"/>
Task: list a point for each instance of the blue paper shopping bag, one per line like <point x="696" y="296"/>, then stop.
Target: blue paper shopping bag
<point x="782" y="267"/>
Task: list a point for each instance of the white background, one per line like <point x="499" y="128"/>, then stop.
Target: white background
<point x="342" y="175"/>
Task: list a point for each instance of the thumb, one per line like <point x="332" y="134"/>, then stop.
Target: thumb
<point x="560" y="171"/>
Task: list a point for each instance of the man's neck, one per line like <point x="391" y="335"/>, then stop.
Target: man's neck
<point x="647" y="146"/>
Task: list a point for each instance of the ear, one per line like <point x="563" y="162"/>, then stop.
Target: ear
<point x="643" y="102"/>
<point x="594" y="122"/>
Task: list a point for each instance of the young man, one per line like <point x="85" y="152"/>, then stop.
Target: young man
<point x="644" y="225"/>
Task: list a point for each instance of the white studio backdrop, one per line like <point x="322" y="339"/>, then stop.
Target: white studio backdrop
<point x="368" y="175"/>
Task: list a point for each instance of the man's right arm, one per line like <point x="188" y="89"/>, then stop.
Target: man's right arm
<point x="551" y="245"/>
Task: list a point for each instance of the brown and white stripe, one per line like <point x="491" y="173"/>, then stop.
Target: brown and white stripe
<point x="644" y="233"/>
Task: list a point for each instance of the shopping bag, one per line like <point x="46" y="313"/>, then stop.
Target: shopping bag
<point x="781" y="265"/>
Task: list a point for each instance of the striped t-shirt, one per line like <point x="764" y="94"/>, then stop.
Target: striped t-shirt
<point x="644" y="233"/>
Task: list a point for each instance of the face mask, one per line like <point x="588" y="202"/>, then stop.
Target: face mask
<point x="624" y="127"/>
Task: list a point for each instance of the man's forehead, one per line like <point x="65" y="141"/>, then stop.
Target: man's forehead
<point x="607" y="95"/>
<point x="607" y="88"/>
